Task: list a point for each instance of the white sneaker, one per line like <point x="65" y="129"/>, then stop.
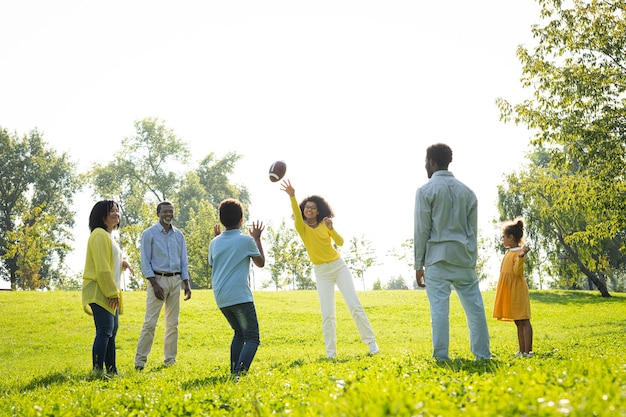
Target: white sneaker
<point x="374" y="348"/>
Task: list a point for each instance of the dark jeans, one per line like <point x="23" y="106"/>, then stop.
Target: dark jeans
<point x="242" y="318"/>
<point x="103" y="350"/>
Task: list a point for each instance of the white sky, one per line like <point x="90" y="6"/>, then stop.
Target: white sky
<point x="348" y="93"/>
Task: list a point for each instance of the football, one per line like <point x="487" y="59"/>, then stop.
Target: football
<point x="277" y="170"/>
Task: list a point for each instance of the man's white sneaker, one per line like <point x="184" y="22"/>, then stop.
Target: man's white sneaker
<point x="374" y="348"/>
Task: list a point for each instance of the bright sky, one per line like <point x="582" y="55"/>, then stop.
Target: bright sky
<point x="348" y="93"/>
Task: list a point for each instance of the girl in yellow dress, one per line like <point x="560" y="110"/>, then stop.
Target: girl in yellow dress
<point x="512" y="301"/>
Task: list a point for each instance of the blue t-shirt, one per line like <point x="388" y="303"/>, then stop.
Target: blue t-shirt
<point x="229" y="255"/>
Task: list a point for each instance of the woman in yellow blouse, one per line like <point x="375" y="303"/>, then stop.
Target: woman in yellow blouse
<point x="512" y="301"/>
<point x="314" y="223"/>
<point x="102" y="281"/>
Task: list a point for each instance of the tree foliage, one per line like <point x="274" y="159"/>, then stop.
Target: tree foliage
<point x="360" y="257"/>
<point x="209" y="182"/>
<point x="36" y="195"/>
<point x="397" y="283"/>
<point x="289" y="262"/>
<point x="577" y="73"/>
<point x="151" y="167"/>
<point x="198" y="235"/>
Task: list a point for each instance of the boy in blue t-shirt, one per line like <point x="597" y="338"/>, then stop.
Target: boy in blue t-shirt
<point x="229" y="255"/>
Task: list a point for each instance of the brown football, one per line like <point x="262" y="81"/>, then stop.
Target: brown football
<point x="277" y="170"/>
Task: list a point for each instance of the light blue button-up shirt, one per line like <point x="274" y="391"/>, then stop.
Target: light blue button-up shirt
<point x="445" y="224"/>
<point x="163" y="251"/>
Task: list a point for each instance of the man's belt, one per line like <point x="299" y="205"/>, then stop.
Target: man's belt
<point x="166" y="274"/>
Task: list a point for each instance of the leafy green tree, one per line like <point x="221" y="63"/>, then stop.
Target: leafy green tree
<point x="36" y="195"/>
<point x="288" y="260"/>
<point x="557" y="208"/>
<point x="152" y="166"/>
<point x="577" y="73"/>
<point x="397" y="283"/>
<point x="360" y="257"/>
<point x="199" y="233"/>
<point x="146" y="171"/>
<point x="209" y="182"/>
<point x="143" y="172"/>
<point x="213" y="175"/>
<point x="32" y="241"/>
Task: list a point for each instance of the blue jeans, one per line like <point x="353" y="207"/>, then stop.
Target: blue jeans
<point x="103" y="350"/>
<point x="242" y="318"/>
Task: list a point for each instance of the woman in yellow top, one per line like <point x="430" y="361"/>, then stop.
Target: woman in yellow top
<point x="314" y="224"/>
<point x="512" y="301"/>
<point x="102" y="281"/>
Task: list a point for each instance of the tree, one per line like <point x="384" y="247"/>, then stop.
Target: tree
<point x="209" y="182"/>
<point x="288" y="260"/>
<point x="199" y="233"/>
<point x="360" y="257"/>
<point x="397" y="283"/>
<point x="405" y="253"/>
<point x="152" y="167"/>
<point x="213" y="175"/>
<point x="556" y="207"/>
<point x="577" y="73"/>
<point x="31" y="243"/>
<point x="146" y="171"/>
<point x="36" y="195"/>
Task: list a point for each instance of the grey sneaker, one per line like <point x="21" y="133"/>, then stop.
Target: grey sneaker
<point x="374" y="348"/>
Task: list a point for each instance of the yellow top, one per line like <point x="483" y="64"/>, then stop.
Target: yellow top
<point x="512" y="299"/>
<point x="317" y="240"/>
<point x="98" y="275"/>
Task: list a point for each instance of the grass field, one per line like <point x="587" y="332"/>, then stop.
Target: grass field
<point x="579" y="370"/>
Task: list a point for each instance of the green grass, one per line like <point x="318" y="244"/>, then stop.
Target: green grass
<point x="579" y="370"/>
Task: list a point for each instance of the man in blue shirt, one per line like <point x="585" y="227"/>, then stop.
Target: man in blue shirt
<point x="164" y="264"/>
<point x="230" y="253"/>
<point x="445" y="242"/>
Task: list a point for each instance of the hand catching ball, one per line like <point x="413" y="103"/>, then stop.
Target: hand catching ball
<point x="277" y="170"/>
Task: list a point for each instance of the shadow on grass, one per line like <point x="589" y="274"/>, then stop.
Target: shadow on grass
<point x="54" y="378"/>
<point x="572" y="297"/>
<point x="208" y="381"/>
<point x="471" y="366"/>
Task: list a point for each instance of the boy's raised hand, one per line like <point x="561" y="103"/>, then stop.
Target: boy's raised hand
<point x="256" y="229"/>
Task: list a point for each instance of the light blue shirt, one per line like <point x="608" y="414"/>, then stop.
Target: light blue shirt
<point x="229" y="255"/>
<point x="445" y="224"/>
<point x="163" y="251"/>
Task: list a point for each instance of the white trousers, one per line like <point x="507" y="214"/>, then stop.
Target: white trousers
<point x="171" y="288"/>
<point x="327" y="276"/>
<point x="440" y="277"/>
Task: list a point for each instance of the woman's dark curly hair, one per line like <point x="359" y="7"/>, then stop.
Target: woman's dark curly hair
<point x="323" y="208"/>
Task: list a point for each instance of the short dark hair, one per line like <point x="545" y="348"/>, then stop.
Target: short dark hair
<point x="440" y="153"/>
<point x="323" y="208"/>
<point x="231" y="212"/>
<point x="161" y="204"/>
<point x="99" y="212"/>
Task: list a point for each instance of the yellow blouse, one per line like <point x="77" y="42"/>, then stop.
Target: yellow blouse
<point x="99" y="273"/>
